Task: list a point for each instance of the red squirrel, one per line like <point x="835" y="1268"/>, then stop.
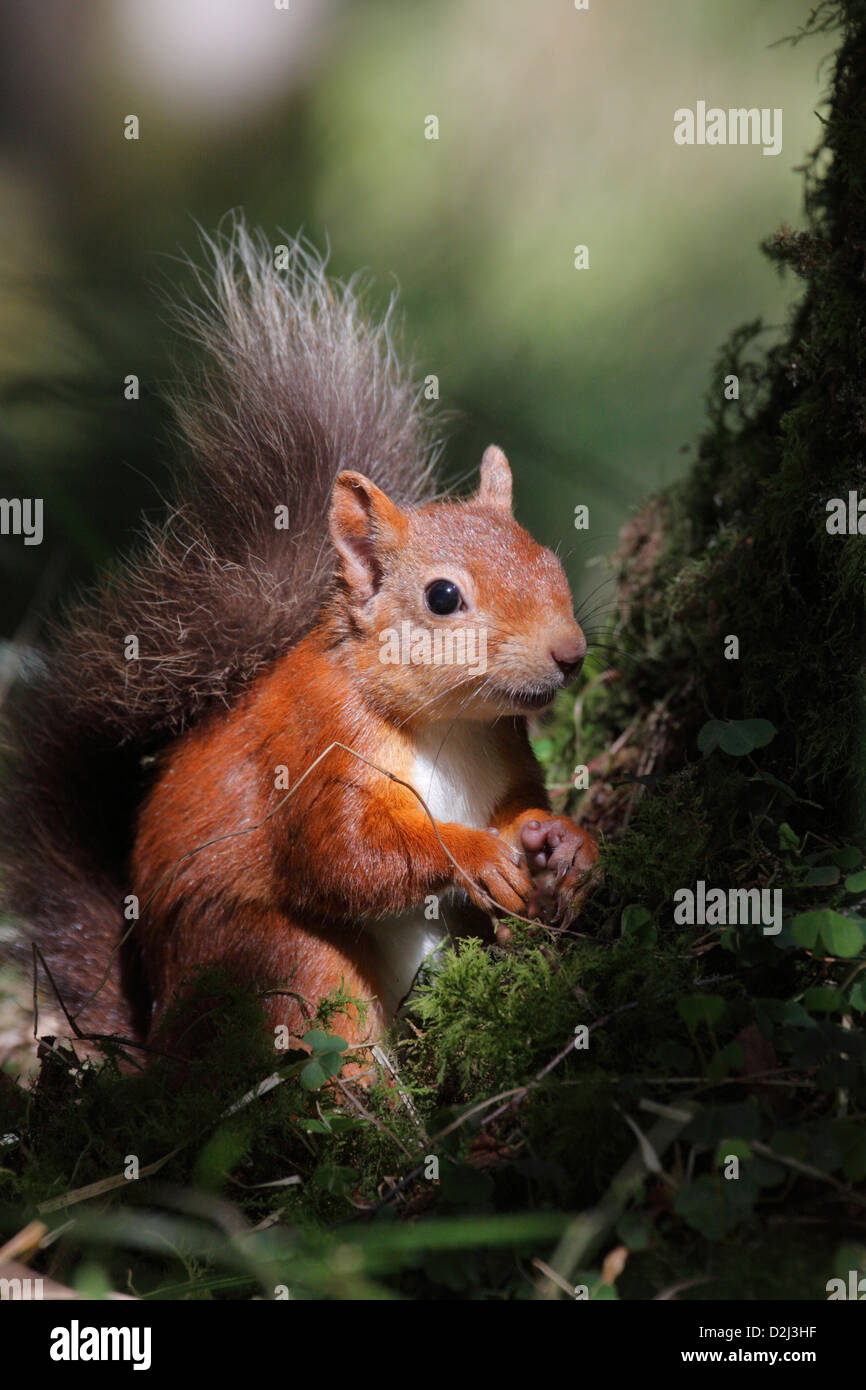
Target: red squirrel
<point x="308" y="595"/>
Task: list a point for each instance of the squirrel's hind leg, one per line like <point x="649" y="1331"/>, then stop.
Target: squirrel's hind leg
<point x="292" y="966"/>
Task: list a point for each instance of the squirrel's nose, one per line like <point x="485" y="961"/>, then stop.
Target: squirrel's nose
<point x="568" y="652"/>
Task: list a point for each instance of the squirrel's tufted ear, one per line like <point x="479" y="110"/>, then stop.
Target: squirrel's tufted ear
<point x="495" y="488"/>
<point x="365" y="527"/>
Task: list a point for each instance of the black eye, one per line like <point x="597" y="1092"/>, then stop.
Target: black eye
<point x="443" y="597"/>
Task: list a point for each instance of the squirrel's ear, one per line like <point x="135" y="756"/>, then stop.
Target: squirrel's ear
<point x="365" y="527"/>
<point x="495" y="489"/>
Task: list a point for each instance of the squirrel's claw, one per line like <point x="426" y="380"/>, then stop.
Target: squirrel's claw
<point x="561" y="857"/>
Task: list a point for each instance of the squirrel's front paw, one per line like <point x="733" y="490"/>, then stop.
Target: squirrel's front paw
<point x="561" y="857"/>
<point x="497" y="871"/>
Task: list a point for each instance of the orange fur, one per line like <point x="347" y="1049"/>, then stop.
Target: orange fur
<point x="282" y="897"/>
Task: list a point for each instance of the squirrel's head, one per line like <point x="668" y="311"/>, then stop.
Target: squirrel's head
<point x="454" y="608"/>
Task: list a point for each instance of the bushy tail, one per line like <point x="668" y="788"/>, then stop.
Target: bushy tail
<point x="295" y="385"/>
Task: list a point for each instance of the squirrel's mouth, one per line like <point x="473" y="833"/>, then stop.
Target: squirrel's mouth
<point x="536" y="699"/>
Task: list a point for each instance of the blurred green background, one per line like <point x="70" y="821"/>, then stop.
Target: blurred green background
<point x="555" y="128"/>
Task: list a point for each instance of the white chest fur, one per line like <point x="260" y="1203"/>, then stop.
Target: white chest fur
<point x="459" y="772"/>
